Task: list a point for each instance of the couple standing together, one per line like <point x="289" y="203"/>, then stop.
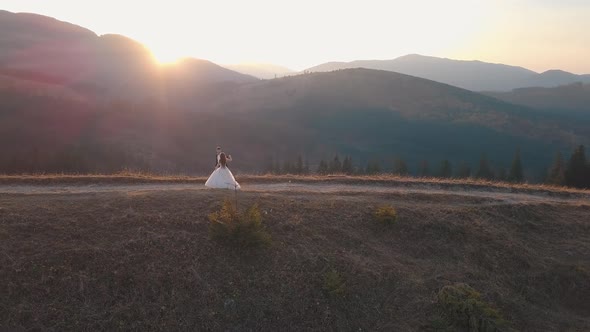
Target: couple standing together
<point x="221" y="176"/>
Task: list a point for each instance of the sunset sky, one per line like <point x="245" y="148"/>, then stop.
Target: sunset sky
<point x="536" y="34"/>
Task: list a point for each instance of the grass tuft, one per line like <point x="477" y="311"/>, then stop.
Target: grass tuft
<point x="333" y="283"/>
<point x="243" y="230"/>
<point x="465" y="307"/>
<point x="386" y="215"/>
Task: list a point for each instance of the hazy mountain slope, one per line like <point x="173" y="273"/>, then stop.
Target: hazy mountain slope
<point x="363" y="113"/>
<point x="198" y="69"/>
<point x="39" y="27"/>
<point x="109" y="65"/>
<point x="375" y="113"/>
<point x="104" y="104"/>
<point x="471" y="75"/>
<point x="38" y="43"/>
<point x="31" y="83"/>
<point x="407" y="96"/>
<point x="261" y="70"/>
<point x="573" y="98"/>
<point x="554" y="78"/>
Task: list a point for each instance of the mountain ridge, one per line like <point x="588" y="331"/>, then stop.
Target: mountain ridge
<point x="112" y="106"/>
<point x="260" y="70"/>
<point x="565" y="99"/>
<point x="112" y="64"/>
<point x="473" y="75"/>
<point x="363" y="113"/>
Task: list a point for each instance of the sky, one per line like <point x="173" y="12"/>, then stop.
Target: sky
<point x="535" y="34"/>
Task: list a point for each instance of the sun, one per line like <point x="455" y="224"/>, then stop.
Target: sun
<point x="165" y="55"/>
<point x="165" y="51"/>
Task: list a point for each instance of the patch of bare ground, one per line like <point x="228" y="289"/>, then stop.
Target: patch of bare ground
<point x="143" y="260"/>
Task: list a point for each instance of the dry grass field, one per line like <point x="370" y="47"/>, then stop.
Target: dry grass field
<point x="129" y="258"/>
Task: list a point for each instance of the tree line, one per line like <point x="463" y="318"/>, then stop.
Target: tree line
<point x="573" y="173"/>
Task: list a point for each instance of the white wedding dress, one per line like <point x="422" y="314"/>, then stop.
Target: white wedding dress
<point x="222" y="178"/>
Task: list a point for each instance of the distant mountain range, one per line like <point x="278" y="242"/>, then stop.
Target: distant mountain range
<point x="261" y="70"/>
<point x="74" y="101"/>
<point x="562" y="99"/>
<point x="367" y="114"/>
<point x="470" y="75"/>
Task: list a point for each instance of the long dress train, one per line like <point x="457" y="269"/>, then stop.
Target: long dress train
<point x="222" y="178"/>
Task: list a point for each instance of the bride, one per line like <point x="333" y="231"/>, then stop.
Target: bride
<point x="221" y="176"/>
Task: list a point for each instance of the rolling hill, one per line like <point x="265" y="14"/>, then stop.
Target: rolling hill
<point x="566" y="99"/>
<point x="471" y="75"/>
<point x="261" y="70"/>
<point x="100" y="104"/>
<point x="364" y="113"/>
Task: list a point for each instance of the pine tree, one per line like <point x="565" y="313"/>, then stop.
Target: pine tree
<point x="424" y="168"/>
<point x="34" y="160"/>
<point x="299" y="165"/>
<point x="516" y="169"/>
<point x="373" y="167"/>
<point x="347" y="165"/>
<point x="287" y="167"/>
<point x="269" y="167"/>
<point x="484" y="171"/>
<point x="276" y="167"/>
<point x="400" y="167"/>
<point x="463" y="171"/>
<point x="335" y="165"/>
<point x="576" y="173"/>
<point x="445" y="169"/>
<point x="323" y="167"/>
<point x="556" y="174"/>
<point x="306" y="168"/>
<point x="501" y="174"/>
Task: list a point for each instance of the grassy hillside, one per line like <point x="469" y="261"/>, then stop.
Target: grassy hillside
<point x="143" y="260"/>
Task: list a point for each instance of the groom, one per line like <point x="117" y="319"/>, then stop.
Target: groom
<point x="217" y="156"/>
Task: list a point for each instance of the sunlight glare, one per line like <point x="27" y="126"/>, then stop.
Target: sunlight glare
<point x="306" y="33"/>
<point x="165" y="55"/>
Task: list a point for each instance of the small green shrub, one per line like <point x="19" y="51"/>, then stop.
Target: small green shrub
<point x="465" y="307"/>
<point x="386" y="215"/>
<point x="333" y="283"/>
<point x="238" y="229"/>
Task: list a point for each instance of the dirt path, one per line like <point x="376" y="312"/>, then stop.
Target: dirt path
<point x="495" y="195"/>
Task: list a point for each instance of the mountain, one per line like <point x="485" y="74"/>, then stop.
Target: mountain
<point x="71" y="101"/>
<point x="20" y="31"/>
<point x="367" y="114"/>
<point x="553" y="78"/>
<point x="40" y="47"/>
<point x="471" y="75"/>
<point x="261" y="70"/>
<point x="565" y="99"/>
